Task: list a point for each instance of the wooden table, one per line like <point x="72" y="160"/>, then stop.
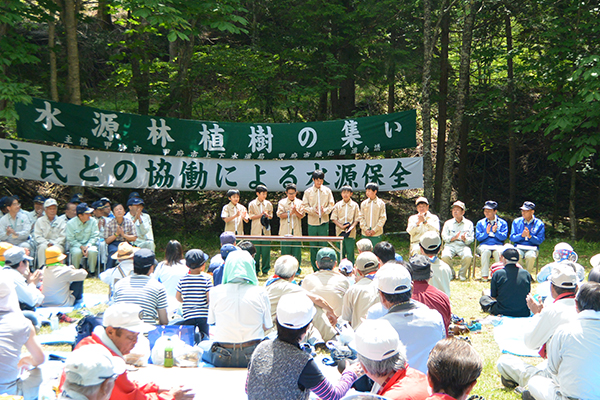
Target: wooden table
<point x="334" y="241"/>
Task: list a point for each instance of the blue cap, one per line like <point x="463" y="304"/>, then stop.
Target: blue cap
<point x="134" y="201"/>
<point x="227" y="238"/>
<point x="77" y="198"/>
<point x="528" y="205"/>
<point x="398" y="257"/>
<point x="490" y="205"/>
<point x="144" y="258"/>
<point x="83" y="209"/>
<point x="39" y="199"/>
<point x="97" y="204"/>
<point x="133" y="194"/>
<point x="226" y="249"/>
<point x="195" y="258"/>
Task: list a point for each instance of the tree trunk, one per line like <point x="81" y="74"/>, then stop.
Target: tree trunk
<point x="391" y="78"/>
<point x="572" y="197"/>
<point x="322" y="110"/>
<point x="52" y="56"/>
<point x="103" y="16"/>
<point x="73" y="81"/>
<point x="140" y="81"/>
<point x="512" y="156"/>
<point x="442" y="106"/>
<point x="426" y="100"/>
<point x="463" y="157"/>
<point x="461" y="101"/>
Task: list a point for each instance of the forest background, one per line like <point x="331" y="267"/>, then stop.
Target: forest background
<point x="507" y="92"/>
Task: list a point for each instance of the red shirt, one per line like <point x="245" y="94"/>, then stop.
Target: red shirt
<point x="440" y="396"/>
<point x="433" y="298"/>
<point x="124" y="388"/>
<point x="406" y="384"/>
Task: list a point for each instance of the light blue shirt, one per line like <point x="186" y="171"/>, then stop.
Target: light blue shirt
<point x="80" y="234"/>
<point x="143" y="228"/>
<point x="21" y="224"/>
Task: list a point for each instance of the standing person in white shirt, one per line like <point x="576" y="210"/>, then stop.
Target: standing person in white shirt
<point x="372" y="214"/>
<point x="260" y="212"/>
<point x="49" y="230"/>
<point x="318" y="203"/>
<point x="458" y="234"/>
<point x="15" y="226"/>
<point x="290" y="213"/>
<point x="423" y="221"/>
<point x="345" y="216"/>
<point x="142" y="222"/>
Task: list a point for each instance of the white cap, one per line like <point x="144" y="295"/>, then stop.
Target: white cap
<point x="564" y="276"/>
<point x="127" y="316"/>
<point x="295" y="310"/>
<point x="393" y="279"/>
<point x="91" y="365"/>
<point x="430" y="240"/>
<point x="595" y="261"/>
<point x="376" y="339"/>
<point x="50" y="202"/>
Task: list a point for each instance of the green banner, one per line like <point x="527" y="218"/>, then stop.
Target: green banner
<point x="100" y="129"/>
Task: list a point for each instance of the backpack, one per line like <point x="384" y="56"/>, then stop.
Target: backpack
<point x="86" y="326"/>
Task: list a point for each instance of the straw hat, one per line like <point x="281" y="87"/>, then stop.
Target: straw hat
<point x="124" y="252"/>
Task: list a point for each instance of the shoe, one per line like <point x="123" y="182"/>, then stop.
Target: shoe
<point x="508" y="383"/>
<point x="64" y="318"/>
<point x="526" y="395"/>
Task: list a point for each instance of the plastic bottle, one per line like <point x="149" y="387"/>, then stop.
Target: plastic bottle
<point x="169" y="354"/>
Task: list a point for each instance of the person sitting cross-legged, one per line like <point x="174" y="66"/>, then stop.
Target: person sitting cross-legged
<point x="63" y="284"/>
<point x="280" y="369"/>
<point x="121" y="325"/>
<point x="383" y="358"/>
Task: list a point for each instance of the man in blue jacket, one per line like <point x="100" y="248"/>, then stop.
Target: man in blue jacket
<point x="490" y="232"/>
<point x="527" y="233"/>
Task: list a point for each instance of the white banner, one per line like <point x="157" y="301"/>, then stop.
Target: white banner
<point x="137" y="171"/>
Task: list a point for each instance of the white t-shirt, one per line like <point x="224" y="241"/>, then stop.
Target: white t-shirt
<point x="169" y="275"/>
<point x="239" y="312"/>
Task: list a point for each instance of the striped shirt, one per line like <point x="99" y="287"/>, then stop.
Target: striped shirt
<point x="193" y="289"/>
<point x="144" y="291"/>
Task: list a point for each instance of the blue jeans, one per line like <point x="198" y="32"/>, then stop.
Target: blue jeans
<point x="236" y="357"/>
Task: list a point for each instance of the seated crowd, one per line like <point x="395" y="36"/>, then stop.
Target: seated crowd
<point x="399" y="310"/>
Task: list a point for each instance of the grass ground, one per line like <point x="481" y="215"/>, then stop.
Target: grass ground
<point x="464" y="300"/>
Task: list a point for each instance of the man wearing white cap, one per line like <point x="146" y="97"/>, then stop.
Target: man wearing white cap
<point x="49" y="230"/>
<point x="363" y="294"/>
<point x="279" y="369"/>
<point x="383" y="358"/>
<point x="121" y="325"/>
<point x="90" y="373"/>
<point x="572" y="354"/>
<point x="15" y="332"/>
<point x="423" y="221"/>
<point x="429" y="246"/>
<point x="418" y="327"/>
<point x="547" y="319"/>
<point x="458" y="234"/>
<point x="17" y="267"/>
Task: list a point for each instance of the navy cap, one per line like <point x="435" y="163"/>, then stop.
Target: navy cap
<point x="144" y="258"/>
<point x="511" y="254"/>
<point x="528" y="205"/>
<point x="77" y="198"/>
<point x="133" y="194"/>
<point x="227" y="238"/>
<point x="490" y="205"/>
<point x="226" y="249"/>
<point x="97" y="204"/>
<point x="39" y="199"/>
<point x="83" y="209"/>
<point x="2" y="201"/>
<point x="134" y="201"/>
<point x="195" y="258"/>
